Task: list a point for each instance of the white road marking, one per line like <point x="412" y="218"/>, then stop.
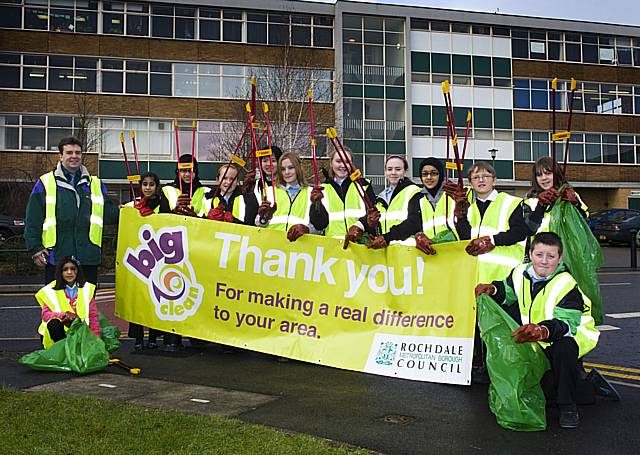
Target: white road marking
<point x="624" y="383"/>
<point x="108" y="386"/>
<point x="614" y="284"/>
<point x="605" y="327"/>
<point x="635" y="314"/>
<point x="199" y="400"/>
<point x="18" y="307"/>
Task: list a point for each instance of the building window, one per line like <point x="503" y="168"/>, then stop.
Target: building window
<point x="113" y="18"/>
<point x="137" y="77"/>
<point x="232" y="25"/>
<point x="112" y="75"/>
<point x="137" y="19"/>
<point x="210" y="24"/>
<point x="34" y="72"/>
<point x="60" y="73"/>
<point x="185" y="81"/>
<point x="10" y="16"/>
<point x="162" y="21"/>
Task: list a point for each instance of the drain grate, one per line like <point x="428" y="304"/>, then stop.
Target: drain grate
<point x="397" y="419"/>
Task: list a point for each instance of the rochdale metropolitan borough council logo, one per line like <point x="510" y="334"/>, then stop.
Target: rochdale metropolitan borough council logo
<point x="162" y="262"/>
<point x="386" y="353"/>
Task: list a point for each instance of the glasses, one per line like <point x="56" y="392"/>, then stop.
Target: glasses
<point x="477" y="178"/>
<point x="430" y="174"/>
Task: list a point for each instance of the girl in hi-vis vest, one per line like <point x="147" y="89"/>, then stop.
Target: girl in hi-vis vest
<point x="296" y="208"/>
<point x="65" y="299"/>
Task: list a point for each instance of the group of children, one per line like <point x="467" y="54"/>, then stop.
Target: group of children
<point x="498" y="226"/>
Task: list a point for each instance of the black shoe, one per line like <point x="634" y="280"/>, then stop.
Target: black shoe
<point x="139" y="346"/>
<point x="602" y="386"/>
<point x="171" y="347"/>
<point x="569" y="418"/>
<point x="480" y="375"/>
<point x="152" y="345"/>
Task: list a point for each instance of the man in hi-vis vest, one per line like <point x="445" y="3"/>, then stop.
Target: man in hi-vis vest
<point x="552" y="310"/>
<point x="66" y="213"/>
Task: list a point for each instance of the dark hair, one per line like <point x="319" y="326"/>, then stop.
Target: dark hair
<point x="481" y="166"/>
<point x="155" y="178"/>
<point x="544" y="164"/>
<point x="186" y="158"/>
<point x="69" y="140"/>
<point x="547" y="238"/>
<point x="401" y="158"/>
<point x="60" y="283"/>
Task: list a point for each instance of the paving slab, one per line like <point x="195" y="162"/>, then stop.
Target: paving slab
<point x="190" y="398"/>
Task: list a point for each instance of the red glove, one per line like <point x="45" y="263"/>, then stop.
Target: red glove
<point x="296" y="231"/>
<point x="454" y="191"/>
<point x="266" y="211"/>
<point x="145" y="211"/>
<point x="316" y="193"/>
<point x="249" y="182"/>
<point x="570" y="195"/>
<point x="424" y="243"/>
<point x="216" y="213"/>
<point x="373" y="217"/>
<point x="480" y="246"/>
<point x="488" y="289"/>
<point x="141" y="203"/>
<point x="460" y="210"/>
<point x="353" y="235"/>
<point x="184" y="210"/>
<point x="68" y="318"/>
<point x="228" y="217"/>
<point x="548" y="197"/>
<point x="378" y="243"/>
<point x="183" y="200"/>
<point x="531" y="332"/>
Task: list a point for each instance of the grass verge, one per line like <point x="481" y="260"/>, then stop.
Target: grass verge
<point x="47" y="423"/>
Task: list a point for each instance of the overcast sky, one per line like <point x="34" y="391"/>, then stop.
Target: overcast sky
<point x="613" y="11"/>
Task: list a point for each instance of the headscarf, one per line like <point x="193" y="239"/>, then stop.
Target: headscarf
<point x="186" y="158"/>
<point x="435" y="162"/>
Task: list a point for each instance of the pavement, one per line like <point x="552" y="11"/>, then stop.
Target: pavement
<point x="382" y="414"/>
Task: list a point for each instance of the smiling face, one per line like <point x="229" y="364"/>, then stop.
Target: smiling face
<point x="394" y="171"/>
<point x="339" y="167"/>
<point x="69" y="273"/>
<point x="482" y="182"/>
<point x="229" y="182"/>
<point x="265" y="166"/>
<point x="148" y="186"/>
<point x="185" y="175"/>
<point x="430" y="177"/>
<point x="545" y="179"/>
<point x="545" y="259"/>
<point x="71" y="157"/>
<point x="288" y="171"/>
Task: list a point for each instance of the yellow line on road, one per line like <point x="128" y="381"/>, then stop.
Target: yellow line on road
<point x="619" y="273"/>
<point x="618" y="375"/>
<point x="17" y="295"/>
<point x="612" y="367"/>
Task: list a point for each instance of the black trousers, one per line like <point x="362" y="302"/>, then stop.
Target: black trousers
<point x="90" y="273"/>
<point x="137" y="331"/>
<point x="564" y="383"/>
<point x="56" y="330"/>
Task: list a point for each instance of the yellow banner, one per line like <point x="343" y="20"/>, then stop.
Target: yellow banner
<point x="393" y="312"/>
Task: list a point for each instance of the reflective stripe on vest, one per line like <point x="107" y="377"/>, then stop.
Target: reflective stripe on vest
<point x="435" y="221"/>
<point x="496" y="264"/>
<point x="398" y="208"/>
<point x="97" y="212"/>
<point x="288" y="212"/>
<point x="171" y="193"/>
<point x="342" y="214"/>
<point x="96" y="222"/>
<point x="543" y="306"/>
<point x="49" y="224"/>
<point x="58" y="302"/>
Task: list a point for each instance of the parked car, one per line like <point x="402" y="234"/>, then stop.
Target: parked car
<point x="10" y="226"/>
<point x="619" y="228"/>
<point x="605" y="215"/>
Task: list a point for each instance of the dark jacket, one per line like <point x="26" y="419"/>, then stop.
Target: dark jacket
<point x="250" y="201"/>
<point x="73" y="211"/>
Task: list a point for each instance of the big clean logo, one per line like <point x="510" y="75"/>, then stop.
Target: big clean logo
<point x="162" y="261"/>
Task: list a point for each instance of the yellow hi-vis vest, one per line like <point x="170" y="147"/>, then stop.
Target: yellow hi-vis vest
<point x="268" y="192"/>
<point x="238" y="210"/>
<point x="288" y="212"/>
<point x="131" y="204"/>
<point x="96" y="220"/>
<point x="496" y="264"/>
<point x="545" y="225"/>
<point x="435" y="221"/>
<point x="197" y="199"/>
<point x="57" y="301"/>
<point x="397" y="211"/>
<point x="543" y="307"/>
<point x="342" y="214"/>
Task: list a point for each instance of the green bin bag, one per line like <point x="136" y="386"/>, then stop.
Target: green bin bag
<point x="582" y="253"/>
<point x="515" y="395"/>
<point x="109" y="333"/>
<point x="80" y="352"/>
<point x="444" y="237"/>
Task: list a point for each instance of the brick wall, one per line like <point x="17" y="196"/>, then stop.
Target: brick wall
<point x="578" y="71"/>
<point x="20" y="166"/>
